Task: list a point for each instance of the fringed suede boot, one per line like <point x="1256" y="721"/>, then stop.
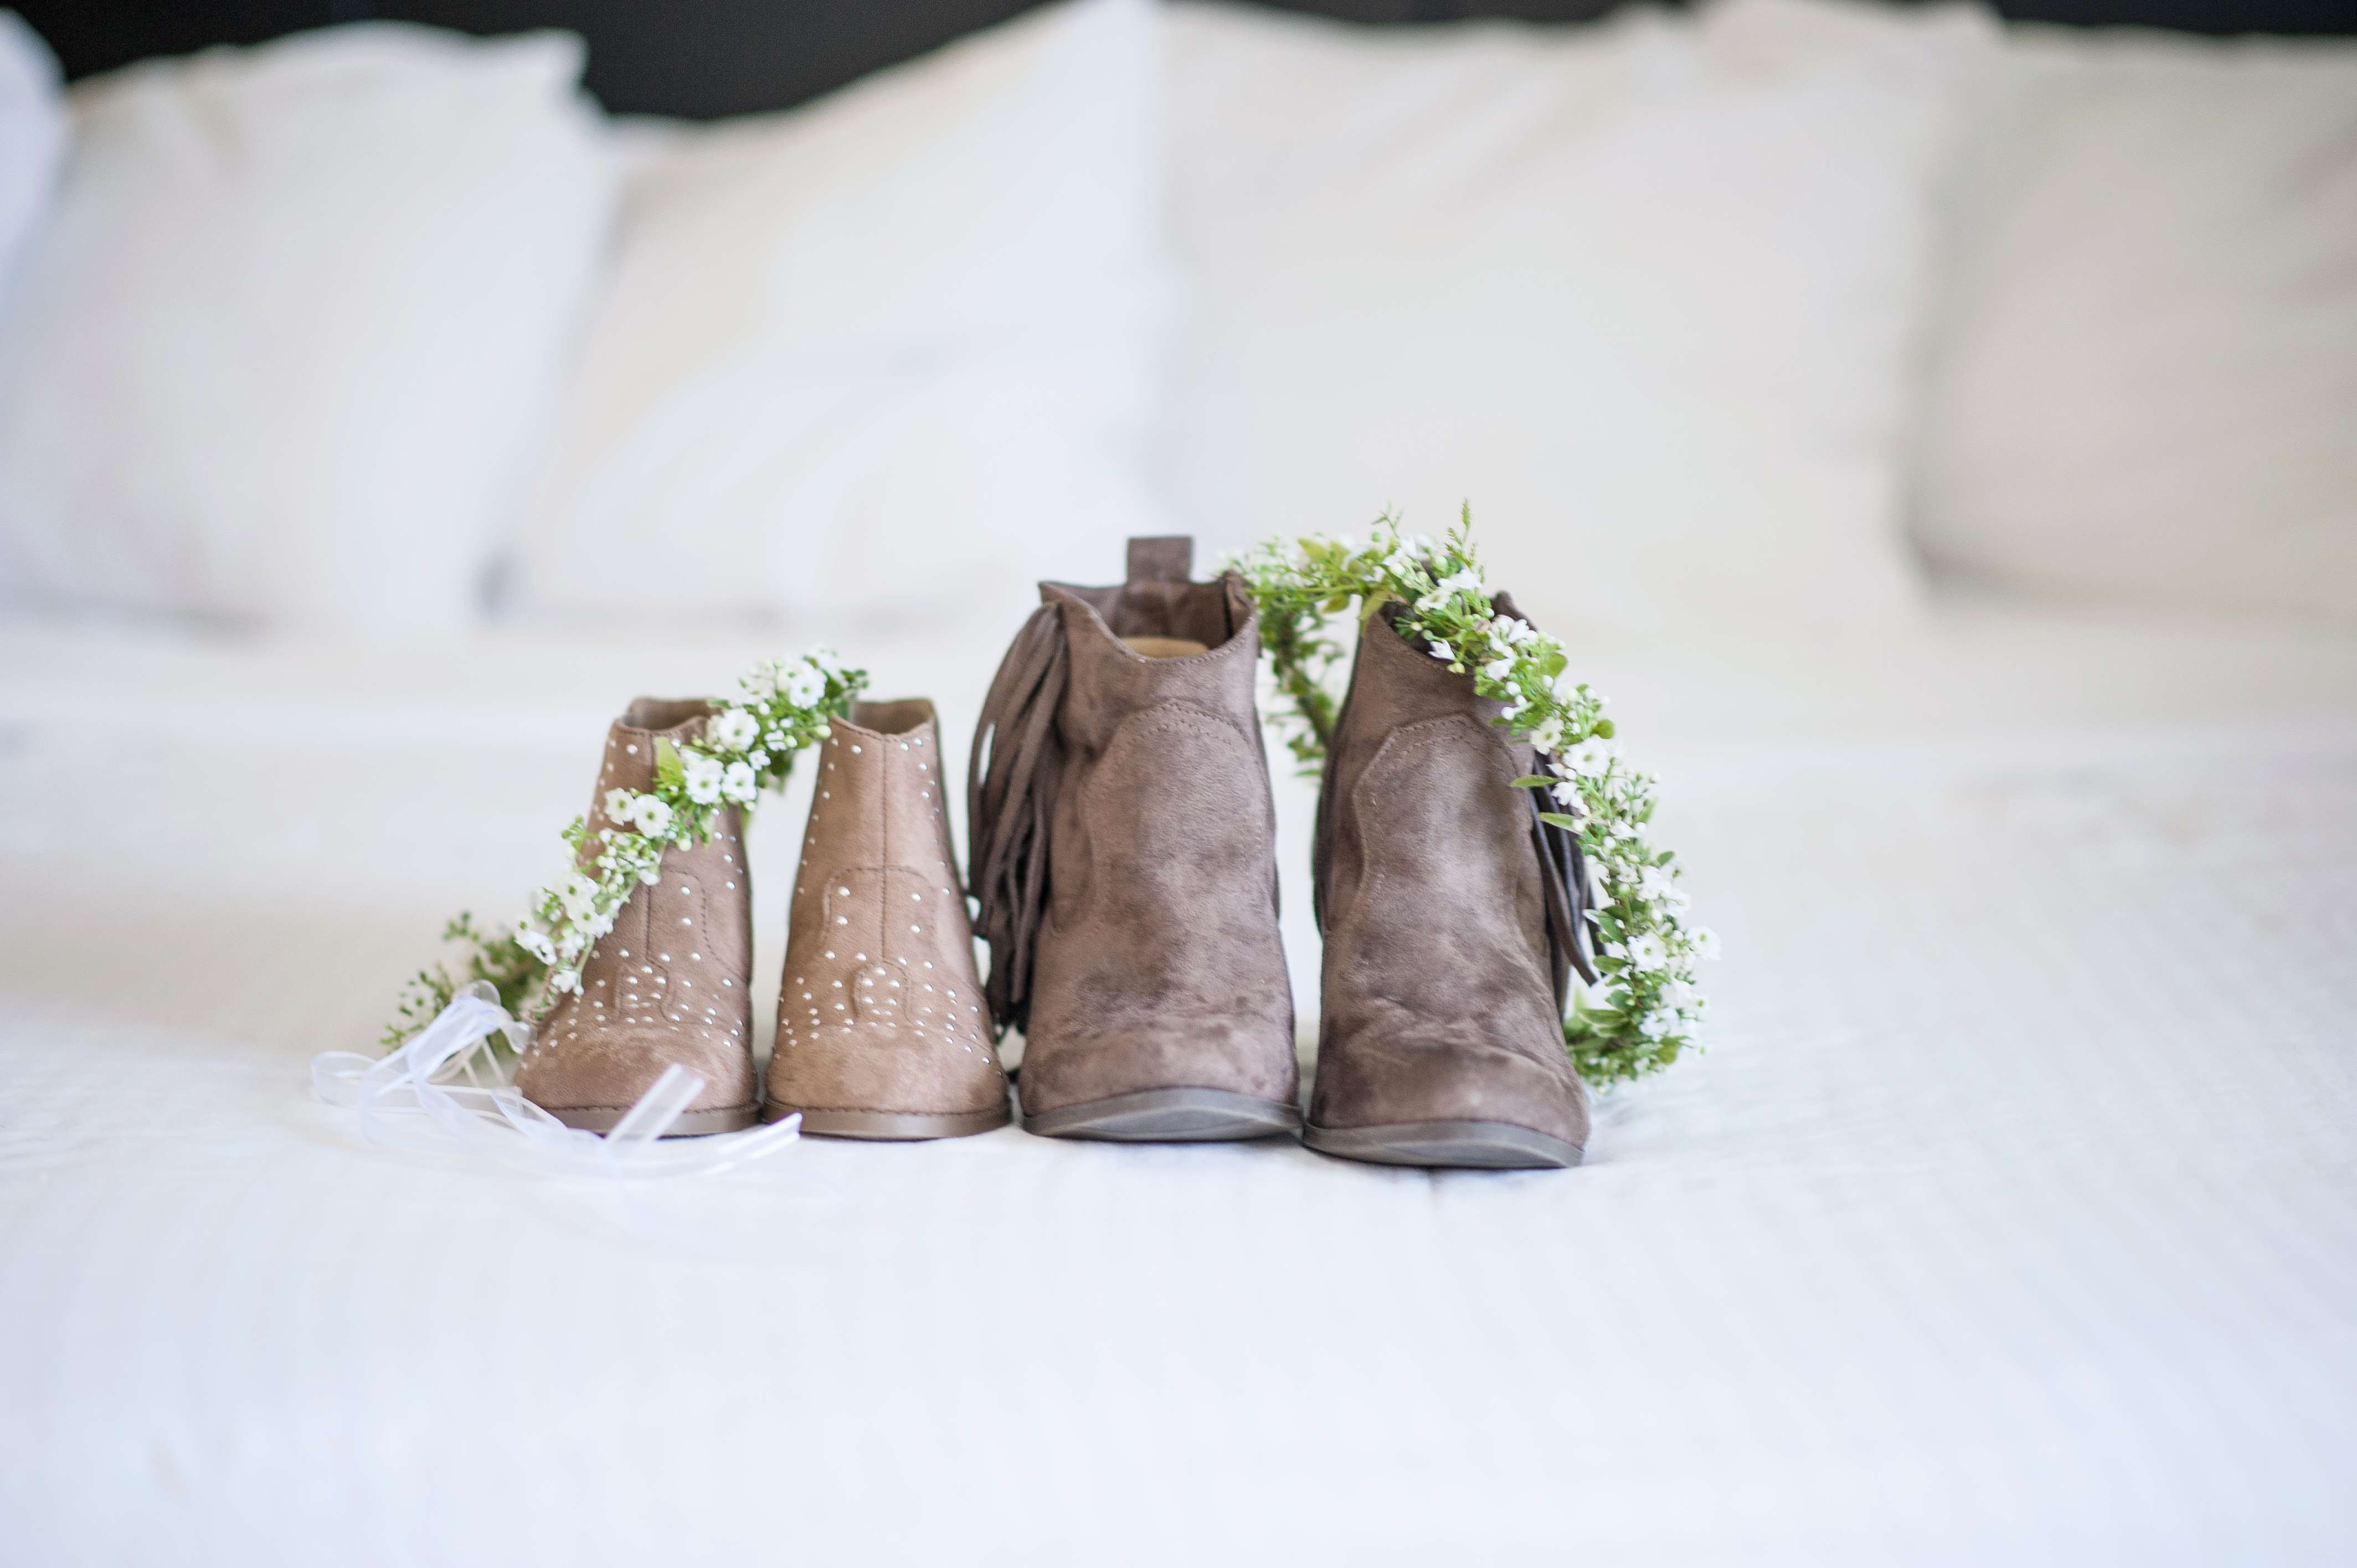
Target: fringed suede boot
<point x="881" y="1032"/>
<point x="1451" y="915"/>
<point x="1124" y="860"/>
<point x="667" y="983"/>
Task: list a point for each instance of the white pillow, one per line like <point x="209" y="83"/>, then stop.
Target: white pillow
<point x="284" y="352"/>
<point x="1643" y="293"/>
<point x="32" y="135"/>
<point x="887" y="355"/>
<point x="2147" y="384"/>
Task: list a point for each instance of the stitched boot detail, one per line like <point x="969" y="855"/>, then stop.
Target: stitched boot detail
<point x="668" y="982"/>
<point x="882" y="1031"/>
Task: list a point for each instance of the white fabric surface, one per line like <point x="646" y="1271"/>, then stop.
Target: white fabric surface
<point x="895" y="351"/>
<point x="1645" y="294"/>
<point x="288" y="339"/>
<point x="32" y="136"/>
<point x="2010" y="1217"/>
<point x="2144" y="376"/>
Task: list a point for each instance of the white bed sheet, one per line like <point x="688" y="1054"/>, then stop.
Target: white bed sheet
<point x="2011" y="1215"/>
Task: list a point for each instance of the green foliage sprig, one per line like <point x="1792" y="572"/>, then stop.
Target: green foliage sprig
<point x="495" y="957"/>
<point x="1647" y="1007"/>
<point x="749" y="744"/>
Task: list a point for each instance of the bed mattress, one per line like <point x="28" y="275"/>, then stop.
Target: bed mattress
<point x="2010" y="1216"/>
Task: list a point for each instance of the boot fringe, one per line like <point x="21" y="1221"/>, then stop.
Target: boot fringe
<point x="1011" y="780"/>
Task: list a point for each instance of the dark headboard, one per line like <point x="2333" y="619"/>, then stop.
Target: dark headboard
<point x="708" y="58"/>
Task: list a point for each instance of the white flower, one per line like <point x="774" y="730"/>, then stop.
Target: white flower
<point x="654" y="817"/>
<point x="703" y="775"/>
<point x="1513" y="630"/>
<point x="1441" y="650"/>
<point x="734" y="730"/>
<point x="535" y="941"/>
<point x="1703" y="942"/>
<point x="739" y="783"/>
<point x="1548" y="736"/>
<point x="1654" y="881"/>
<point x="1464" y="580"/>
<point x="1654" y="1026"/>
<point x="803" y="684"/>
<point x="1500" y="668"/>
<point x="823" y="660"/>
<point x="1676" y="993"/>
<point x="577" y="895"/>
<point x="564" y="980"/>
<point x="1590" y="758"/>
<point x="1566" y="794"/>
<point x="618" y="805"/>
<point x="1648" y="951"/>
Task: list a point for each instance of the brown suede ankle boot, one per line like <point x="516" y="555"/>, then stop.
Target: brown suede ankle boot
<point x="882" y="1031"/>
<point x="1123" y="858"/>
<point x="1450" y="928"/>
<point x="667" y="983"/>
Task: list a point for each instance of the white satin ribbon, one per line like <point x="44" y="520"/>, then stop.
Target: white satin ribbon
<point x="444" y="1087"/>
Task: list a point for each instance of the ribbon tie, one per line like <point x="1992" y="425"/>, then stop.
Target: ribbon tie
<point x="444" y="1086"/>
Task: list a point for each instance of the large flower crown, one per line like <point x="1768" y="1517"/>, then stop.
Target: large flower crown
<point x="1650" y="1006"/>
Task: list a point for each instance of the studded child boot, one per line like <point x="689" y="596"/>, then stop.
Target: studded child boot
<point x="667" y="983"/>
<point x="1124" y="861"/>
<point x="1451" y="918"/>
<point x="881" y="1028"/>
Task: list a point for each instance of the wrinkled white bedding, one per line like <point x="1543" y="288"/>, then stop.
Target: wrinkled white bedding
<point x="2011" y="1217"/>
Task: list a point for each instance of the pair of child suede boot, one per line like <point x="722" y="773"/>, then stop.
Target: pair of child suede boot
<point x="1123" y="869"/>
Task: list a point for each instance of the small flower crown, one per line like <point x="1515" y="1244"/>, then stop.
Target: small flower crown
<point x="748" y="744"/>
<point x="1650" y="1008"/>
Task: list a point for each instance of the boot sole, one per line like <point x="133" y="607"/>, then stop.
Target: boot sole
<point x="1473" y="1146"/>
<point x="691" y="1123"/>
<point x="892" y="1126"/>
<point x="1168" y="1116"/>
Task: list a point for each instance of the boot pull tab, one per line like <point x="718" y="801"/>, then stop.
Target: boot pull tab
<point x="1162" y="558"/>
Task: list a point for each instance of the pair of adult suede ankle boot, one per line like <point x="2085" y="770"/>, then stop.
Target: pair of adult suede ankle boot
<point x="1124" y="863"/>
<point x="1123" y="866"/>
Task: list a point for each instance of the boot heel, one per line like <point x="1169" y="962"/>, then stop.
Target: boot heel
<point x="1168" y="1116"/>
<point x="1476" y="1145"/>
<point x="891" y="1126"/>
